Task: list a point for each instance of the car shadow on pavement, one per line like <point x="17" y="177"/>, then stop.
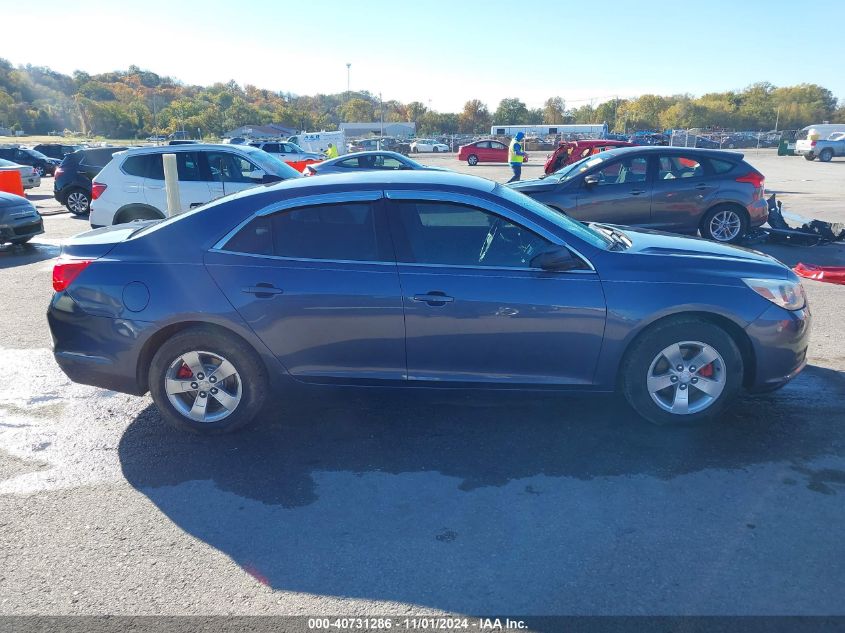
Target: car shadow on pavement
<point x="361" y="494"/>
<point x="12" y="255"/>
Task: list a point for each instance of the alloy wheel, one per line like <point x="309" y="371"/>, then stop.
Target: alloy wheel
<point x="77" y="202"/>
<point x="203" y="386"/>
<point x="725" y="225"/>
<point x="686" y="377"/>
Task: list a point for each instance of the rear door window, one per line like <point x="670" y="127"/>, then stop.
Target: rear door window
<point x="333" y="232"/>
<point x="679" y="166"/>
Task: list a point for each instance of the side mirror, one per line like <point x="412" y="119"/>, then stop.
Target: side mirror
<point x="557" y="259"/>
<point x="268" y="179"/>
<point x="591" y="181"/>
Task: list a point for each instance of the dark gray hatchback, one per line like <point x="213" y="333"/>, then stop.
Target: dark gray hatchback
<point x="677" y="189"/>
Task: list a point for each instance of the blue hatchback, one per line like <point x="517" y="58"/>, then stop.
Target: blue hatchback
<point x="417" y="279"/>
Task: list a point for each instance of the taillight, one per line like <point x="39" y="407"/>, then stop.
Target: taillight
<point x="66" y="270"/>
<point x="97" y="189"/>
<point x="754" y="177"/>
<point x="59" y="171"/>
<point x="813" y="143"/>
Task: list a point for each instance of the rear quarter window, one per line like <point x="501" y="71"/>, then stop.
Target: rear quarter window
<point x="721" y="166"/>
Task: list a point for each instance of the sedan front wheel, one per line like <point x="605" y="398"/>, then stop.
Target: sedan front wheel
<point x="683" y="370"/>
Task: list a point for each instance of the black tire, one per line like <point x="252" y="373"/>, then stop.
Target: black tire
<point x="40" y="171"/>
<point x="250" y="371"/>
<point x="435" y="150"/>
<point x="472" y="160"/>
<point x="20" y="241"/>
<point x="416" y="150"/>
<point x="708" y="225"/>
<point x="78" y="201"/>
<point x="825" y="155"/>
<point x="132" y="213"/>
<point x="638" y="360"/>
<point x="809" y="157"/>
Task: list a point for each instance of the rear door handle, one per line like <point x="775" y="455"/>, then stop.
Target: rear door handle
<point x="637" y="192"/>
<point x="434" y="298"/>
<point x="701" y="186"/>
<point x="262" y="290"/>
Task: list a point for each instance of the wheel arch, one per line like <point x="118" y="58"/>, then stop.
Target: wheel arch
<point x="156" y="340"/>
<point x="122" y="214"/>
<point x="733" y="329"/>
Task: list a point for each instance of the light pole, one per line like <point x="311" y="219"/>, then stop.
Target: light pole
<point x="348" y="66"/>
<point x="381" y="113"/>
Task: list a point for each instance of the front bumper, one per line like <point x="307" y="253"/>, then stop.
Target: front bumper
<point x="23" y="228"/>
<point x="780" y="339"/>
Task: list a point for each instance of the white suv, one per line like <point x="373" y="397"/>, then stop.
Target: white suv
<point x="131" y="186"/>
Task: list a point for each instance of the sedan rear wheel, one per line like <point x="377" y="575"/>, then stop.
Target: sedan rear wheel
<point x="682" y="370"/>
<point x="39" y="171"/>
<point x="205" y="381"/>
<point x="77" y="202"/>
<point x="825" y="155"/>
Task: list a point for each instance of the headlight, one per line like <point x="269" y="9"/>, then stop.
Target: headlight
<point x="782" y="292"/>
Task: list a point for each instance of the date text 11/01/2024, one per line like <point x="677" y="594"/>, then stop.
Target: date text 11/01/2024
<point x="417" y="623"/>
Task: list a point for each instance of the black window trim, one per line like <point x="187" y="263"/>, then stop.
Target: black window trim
<point x="371" y="196"/>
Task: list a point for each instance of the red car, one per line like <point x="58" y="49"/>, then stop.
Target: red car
<point x="572" y="151"/>
<point x="489" y="151"/>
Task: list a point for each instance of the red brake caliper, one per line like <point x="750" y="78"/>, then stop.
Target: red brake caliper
<point x="184" y="372"/>
<point x="706" y="371"/>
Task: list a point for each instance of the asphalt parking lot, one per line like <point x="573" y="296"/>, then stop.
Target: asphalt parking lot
<point x="372" y="503"/>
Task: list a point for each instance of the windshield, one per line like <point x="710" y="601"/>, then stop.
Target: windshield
<point x="273" y="165"/>
<point x="581" y="231"/>
<point x="35" y="153"/>
<point x="570" y="171"/>
<point x="297" y="148"/>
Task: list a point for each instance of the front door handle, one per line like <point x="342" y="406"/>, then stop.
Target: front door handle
<point x="263" y="290"/>
<point x="637" y="192"/>
<point x="434" y="298"/>
<point x="701" y="186"/>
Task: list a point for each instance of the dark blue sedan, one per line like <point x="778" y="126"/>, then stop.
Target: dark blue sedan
<point x="416" y="279"/>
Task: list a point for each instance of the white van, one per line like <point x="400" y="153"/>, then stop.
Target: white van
<point x="824" y="130"/>
<point x="131" y="186"/>
<point x="319" y="141"/>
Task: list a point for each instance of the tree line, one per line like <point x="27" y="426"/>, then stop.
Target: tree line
<point x="136" y="103"/>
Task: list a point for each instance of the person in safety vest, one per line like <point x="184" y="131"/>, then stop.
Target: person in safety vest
<point x="331" y="152"/>
<point x="516" y="156"/>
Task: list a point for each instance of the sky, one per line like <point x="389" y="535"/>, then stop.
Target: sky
<point x="438" y="52"/>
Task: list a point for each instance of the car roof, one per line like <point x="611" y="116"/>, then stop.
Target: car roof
<point x="189" y="147"/>
<point x="367" y="179"/>
<point x="371" y="152"/>
<point x="668" y="149"/>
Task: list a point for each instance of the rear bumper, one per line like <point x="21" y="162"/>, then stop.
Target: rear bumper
<point x="780" y="339"/>
<point x="98" y="351"/>
<point x="758" y="213"/>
